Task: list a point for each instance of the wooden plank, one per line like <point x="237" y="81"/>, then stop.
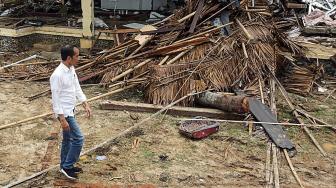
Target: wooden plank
<point x="180" y="111"/>
<point x="263" y="114"/>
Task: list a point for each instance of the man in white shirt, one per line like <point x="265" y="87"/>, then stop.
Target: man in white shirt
<point x="66" y="91"/>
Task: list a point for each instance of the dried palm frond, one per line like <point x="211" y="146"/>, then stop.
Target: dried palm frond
<point x="288" y="44"/>
<point x="300" y="79"/>
<point x="171" y="82"/>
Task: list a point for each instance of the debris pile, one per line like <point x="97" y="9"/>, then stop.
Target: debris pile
<point x="229" y="47"/>
<point x="189" y="52"/>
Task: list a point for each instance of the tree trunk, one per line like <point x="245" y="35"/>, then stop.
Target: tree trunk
<point x="228" y="103"/>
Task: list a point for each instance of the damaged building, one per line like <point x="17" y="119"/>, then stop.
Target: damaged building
<point x="184" y="93"/>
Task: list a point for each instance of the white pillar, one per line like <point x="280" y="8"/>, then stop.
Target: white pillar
<point x="88" y="24"/>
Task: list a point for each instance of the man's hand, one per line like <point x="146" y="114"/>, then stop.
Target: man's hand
<point x="88" y="110"/>
<point x="64" y="124"/>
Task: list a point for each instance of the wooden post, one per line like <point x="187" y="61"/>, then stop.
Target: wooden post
<point x="88" y="24"/>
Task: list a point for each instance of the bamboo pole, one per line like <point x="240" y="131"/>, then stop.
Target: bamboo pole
<point x="275" y="167"/>
<point x="273" y="146"/>
<point x="51" y="113"/>
<point x="255" y="122"/>
<point x="180" y="55"/>
<point x="164" y="20"/>
<point x="268" y="164"/>
<point x="186" y="17"/>
<point x="261" y="92"/>
<point x="141" y="46"/>
<point x="315" y="119"/>
<point x="244" y="50"/>
<point x="255" y="10"/>
<point x="21" y="61"/>
<point x="203" y="33"/>
<point x="130" y="70"/>
<point x="292" y="168"/>
<point x="248" y="35"/>
<point x="164" y="60"/>
<point x="248" y="13"/>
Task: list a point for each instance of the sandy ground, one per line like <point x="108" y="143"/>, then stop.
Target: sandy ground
<point x="162" y="157"/>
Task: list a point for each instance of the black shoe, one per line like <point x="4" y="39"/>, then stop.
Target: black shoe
<point x="77" y="169"/>
<point x="69" y="173"/>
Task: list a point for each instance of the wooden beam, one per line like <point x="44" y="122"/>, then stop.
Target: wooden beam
<point x="88" y="23"/>
<point x="180" y="111"/>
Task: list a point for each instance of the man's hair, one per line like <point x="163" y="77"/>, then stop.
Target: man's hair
<point x="66" y="51"/>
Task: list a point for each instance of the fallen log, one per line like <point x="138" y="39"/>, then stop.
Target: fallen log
<point x="228" y="103"/>
<point x="177" y="110"/>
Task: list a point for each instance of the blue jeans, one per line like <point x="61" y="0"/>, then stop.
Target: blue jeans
<point x="72" y="144"/>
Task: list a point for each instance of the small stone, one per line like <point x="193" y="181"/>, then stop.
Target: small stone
<point x="164" y="177"/>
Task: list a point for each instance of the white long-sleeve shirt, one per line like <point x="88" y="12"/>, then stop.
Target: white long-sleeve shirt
<point x="65" y="89"/>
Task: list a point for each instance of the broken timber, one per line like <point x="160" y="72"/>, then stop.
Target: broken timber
<point x="180" y="111"/>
